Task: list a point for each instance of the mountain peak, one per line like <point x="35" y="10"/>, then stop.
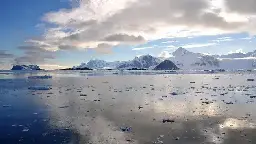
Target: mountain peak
<point x="166" y="65"/>
<point x="180" y="51"/>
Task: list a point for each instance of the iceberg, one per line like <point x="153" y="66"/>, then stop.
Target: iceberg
<point x="40" y="77"/>
<point x="39" y="88"/>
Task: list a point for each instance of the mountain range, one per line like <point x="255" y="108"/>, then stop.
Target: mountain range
<point x="183" y="59"/>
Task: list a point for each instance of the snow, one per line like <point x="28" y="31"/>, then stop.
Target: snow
<point x="99" y="64"/>
<point x="183" y="59"/>
<point x="144" y="61"/>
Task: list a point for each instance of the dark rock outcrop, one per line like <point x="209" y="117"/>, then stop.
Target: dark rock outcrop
<point x="166" y="65"/>
<point x="26" y="67"/>
<point x="84" y="68"/>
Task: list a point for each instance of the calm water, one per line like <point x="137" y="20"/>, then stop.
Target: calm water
<point x="115" y="109"/>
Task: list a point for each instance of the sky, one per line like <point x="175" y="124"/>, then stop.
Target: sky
<point x="63" y="33"/>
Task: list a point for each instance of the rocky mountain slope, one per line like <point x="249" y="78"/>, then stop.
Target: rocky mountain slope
<point x="166" y="65"/>
<point x="26" y="67"/>
<point x="145" y="61"/>
<point x="185" y="59"/>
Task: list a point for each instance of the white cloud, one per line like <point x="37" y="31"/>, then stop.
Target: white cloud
<point x="52" y="66"/>
<point x="244" y="58"/>
<point x="198" y="45"/>
<point x="237" y="51"/>
<point x="141" y="48"/>
<point x="223" y="39"/>
<point x="93" y="22"/>
<point x="247" y="38"/>
<point x="171" y="41"/>
<point x="170" y="47"/>
<point x="164" y="54"/>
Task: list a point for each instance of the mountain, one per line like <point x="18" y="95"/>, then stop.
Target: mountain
<point x="26" y="67"/>
<point x="236" y="61"/>
<point x="142" y="62"/>
<point x="185" y="59"/>
<point x="99" y="64"/>
<point x="166" y="65"/>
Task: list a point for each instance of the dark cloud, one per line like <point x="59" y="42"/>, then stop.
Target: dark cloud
<point x="34" y="55"/>
<point x="241" y="6"/>
<point x="4" y="55"/>
<point x="124" y="38"/>
<point x="136" y="21"/>
<point x="66" y="47"/>
<point x="104" y="48"/>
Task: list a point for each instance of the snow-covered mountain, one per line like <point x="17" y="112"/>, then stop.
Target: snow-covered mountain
<point x="26" y="67"/>
<point x="185" y="59"/>
<point x="145" y="61"/>
<point x="99" y="64"/>
<point x="236" y="61"/>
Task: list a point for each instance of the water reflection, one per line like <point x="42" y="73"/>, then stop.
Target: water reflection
<point x="93" y="109"/>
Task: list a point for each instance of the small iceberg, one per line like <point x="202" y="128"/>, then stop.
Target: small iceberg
<point x="40" y="77"/>
<point x="125" y="129"/>
<point x="39" y="88"/>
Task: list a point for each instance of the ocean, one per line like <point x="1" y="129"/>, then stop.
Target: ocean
<point x="74" y="107"/>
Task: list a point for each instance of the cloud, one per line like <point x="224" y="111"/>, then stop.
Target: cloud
<point x="5" y="55"/>
<point x="247" y="38"/>
<point x="34" y="55"/>
<point x="104" y="48"/>
<point x="237" y="51"/>
<point x="243" y="7"/>
<point x="124" y="38"/>
<point x="5" y="59"/>
<point x="223" y="39"/>
<point x="164" y="54"/>
<point x="94" y="22"/>
<point x="198" y="45"/>
<point x="141" y="48"/>
<point x="52" y="66"/>
<point x="171" y="41"/>
<point x="170" y="47"/>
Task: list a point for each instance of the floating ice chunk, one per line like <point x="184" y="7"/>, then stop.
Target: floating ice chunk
<point x="250" y="79"/>
<point x="39" y="88"/>
<point x="168" y="121"/>
<point x="63" y="106"/>
<point x="40" y="77"/>
<point x="125" y="129"/>
<point x="174" y="93"/>
<point x="25" y="130"/>
<point x="6" y="105"/>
